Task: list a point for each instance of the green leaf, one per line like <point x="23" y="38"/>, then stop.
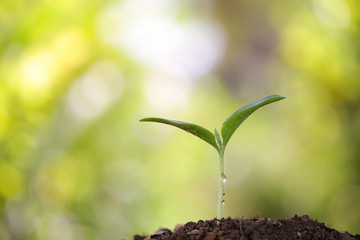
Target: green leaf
<point x="233" y="122"/>
<point x="196" y="130"/>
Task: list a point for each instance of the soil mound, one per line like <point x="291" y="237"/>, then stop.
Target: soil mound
<point x="300" y="228"/>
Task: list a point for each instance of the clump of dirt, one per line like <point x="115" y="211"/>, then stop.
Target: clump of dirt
<point x="300" y="228"/>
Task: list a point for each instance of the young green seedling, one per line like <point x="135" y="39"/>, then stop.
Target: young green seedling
<point x="217" y="141"/>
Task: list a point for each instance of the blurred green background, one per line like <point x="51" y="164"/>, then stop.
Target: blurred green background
<point x="76" y="76"/>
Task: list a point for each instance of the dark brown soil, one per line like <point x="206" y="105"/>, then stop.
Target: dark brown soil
<point x="301" y="228"/>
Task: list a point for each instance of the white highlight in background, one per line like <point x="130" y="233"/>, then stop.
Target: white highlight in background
<point x="332" y="13"/>
<point x="152" y="35"/>
<point x="92" y="93"/>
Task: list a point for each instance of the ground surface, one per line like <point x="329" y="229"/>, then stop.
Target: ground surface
<point x="301" y="228"/>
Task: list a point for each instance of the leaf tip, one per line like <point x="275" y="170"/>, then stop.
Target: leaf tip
<point x="278" y="97"/>
<point x="144" y="120"/>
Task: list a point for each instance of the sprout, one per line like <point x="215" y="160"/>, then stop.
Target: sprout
<point x="219" y="142"/>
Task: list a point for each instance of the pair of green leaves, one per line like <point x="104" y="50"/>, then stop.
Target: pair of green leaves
<point x="228" y="128"/>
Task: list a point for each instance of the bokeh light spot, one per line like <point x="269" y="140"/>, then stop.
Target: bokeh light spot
<point x="93" y="92"/>
<point x="165" y="91"/>
<point x="154" y="37"/>
<point x="332" y="13"/>
<point x="36" y="70"/>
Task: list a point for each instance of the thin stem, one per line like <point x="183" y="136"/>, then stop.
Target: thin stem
<point x="222" y="180"/>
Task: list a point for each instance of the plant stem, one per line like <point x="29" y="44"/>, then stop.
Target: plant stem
<point x="222" y="180"/>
